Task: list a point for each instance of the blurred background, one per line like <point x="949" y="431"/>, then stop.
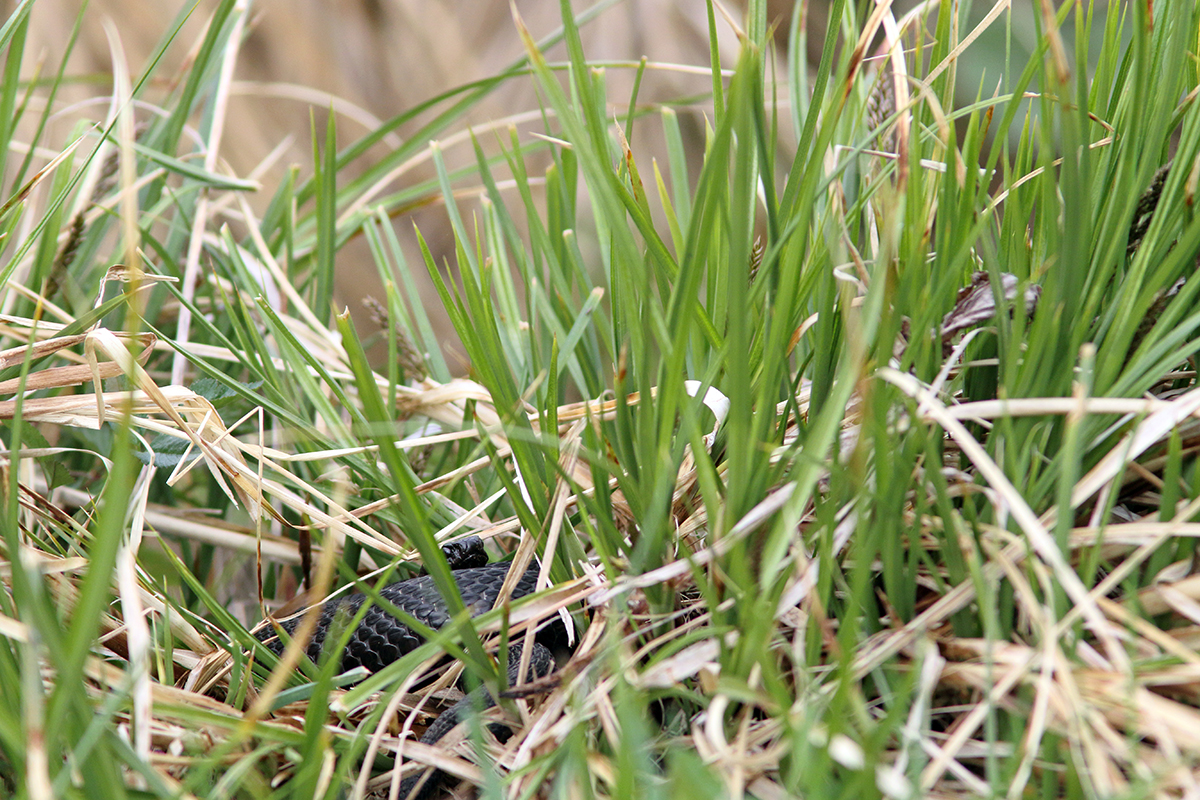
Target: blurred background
<point x="373" y="59"/>
<point x="370" y="60"/>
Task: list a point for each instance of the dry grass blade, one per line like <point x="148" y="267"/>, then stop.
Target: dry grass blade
<point x="1035" y="530"/>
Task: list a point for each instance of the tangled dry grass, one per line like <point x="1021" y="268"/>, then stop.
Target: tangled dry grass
<point x="1107" y="679"/>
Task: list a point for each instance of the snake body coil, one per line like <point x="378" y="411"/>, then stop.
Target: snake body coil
<point x="380" y="638"/>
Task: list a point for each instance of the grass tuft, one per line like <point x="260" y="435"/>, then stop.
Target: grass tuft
<point x="857" y="442"/>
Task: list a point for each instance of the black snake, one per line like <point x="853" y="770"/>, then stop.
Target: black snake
<point x="380" y="638"/>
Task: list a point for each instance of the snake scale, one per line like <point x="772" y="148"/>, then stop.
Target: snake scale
<point x="380" y="638"/>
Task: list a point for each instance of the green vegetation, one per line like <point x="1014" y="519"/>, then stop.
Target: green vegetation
<point x="937" y="541"/>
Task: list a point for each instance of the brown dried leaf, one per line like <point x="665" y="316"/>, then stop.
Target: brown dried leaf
<point x="977" y="302"/>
